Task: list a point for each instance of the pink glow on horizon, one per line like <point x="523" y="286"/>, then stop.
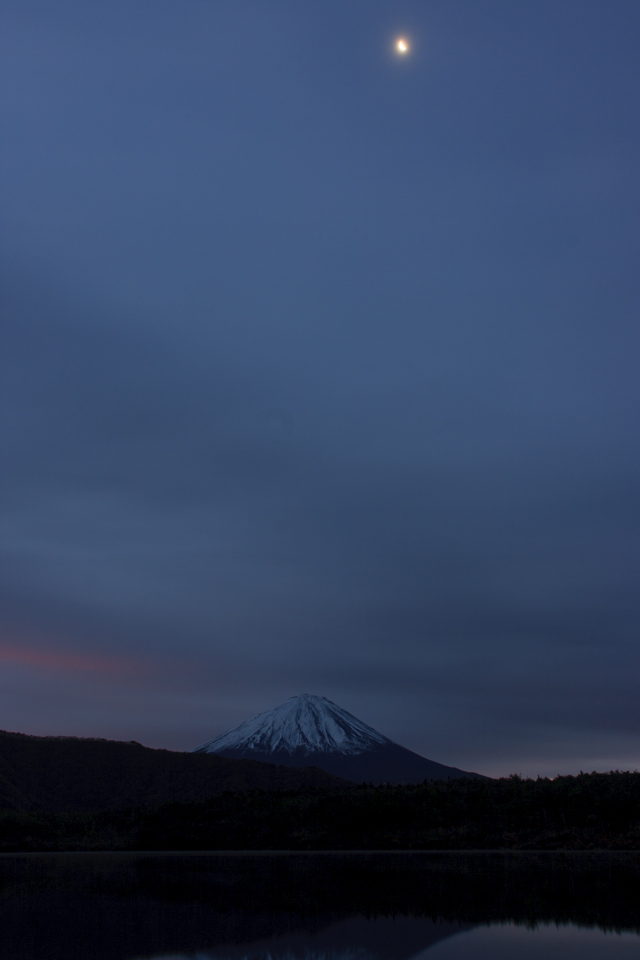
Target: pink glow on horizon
<point x="69" y="662"/>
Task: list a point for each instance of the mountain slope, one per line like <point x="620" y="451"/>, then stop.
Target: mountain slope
<point x="309" y="730"/>
<point x="73" y="775"/>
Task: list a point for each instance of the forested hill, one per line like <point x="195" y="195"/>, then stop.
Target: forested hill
<point x="74" y="775"/>
<point x="588" y="812"/>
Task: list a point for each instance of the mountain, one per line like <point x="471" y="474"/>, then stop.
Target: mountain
<point x="313" y="731"/>
<point x="75" y="775"/>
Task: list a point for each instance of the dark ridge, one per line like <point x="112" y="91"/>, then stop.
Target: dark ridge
<point x="76" y="775"/>
<point x="390" y="763"/>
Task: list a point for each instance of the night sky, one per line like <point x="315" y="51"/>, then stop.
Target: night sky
<point x="320" y="371"/>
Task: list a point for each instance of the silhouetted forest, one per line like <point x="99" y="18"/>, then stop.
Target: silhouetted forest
<point x="590" y="811"/>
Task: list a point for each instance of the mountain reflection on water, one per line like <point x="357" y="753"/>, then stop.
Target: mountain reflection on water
<point x="360" y="906"/>
<point x="358" y="938"/>
<point x="496" y="943"/>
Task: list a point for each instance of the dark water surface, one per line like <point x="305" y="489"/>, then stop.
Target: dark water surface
<point x="320" y="906"/>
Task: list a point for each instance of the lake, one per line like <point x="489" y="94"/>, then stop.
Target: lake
<point x="320" y="906"/>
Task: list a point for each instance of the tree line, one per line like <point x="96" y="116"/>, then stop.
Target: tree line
<point x="585" y="812"/>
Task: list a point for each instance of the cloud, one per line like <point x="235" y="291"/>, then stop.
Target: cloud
<point x="316" y="377"/>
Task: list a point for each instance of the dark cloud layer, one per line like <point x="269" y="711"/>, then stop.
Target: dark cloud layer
<point x="320" y="372"/>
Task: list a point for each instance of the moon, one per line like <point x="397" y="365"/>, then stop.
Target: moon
<point x="401" y="46"/>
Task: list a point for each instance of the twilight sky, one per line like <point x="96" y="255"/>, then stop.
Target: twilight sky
<point x="320" y="371"/>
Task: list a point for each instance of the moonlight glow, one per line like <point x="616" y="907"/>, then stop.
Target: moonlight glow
<point x="402" y="47"/>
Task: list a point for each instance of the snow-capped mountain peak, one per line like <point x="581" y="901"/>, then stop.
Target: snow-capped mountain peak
<point x="303" y="725"/>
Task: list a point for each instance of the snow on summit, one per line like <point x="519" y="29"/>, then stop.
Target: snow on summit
<point x="303" y="725"/>
<point x="313" y="731"/>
